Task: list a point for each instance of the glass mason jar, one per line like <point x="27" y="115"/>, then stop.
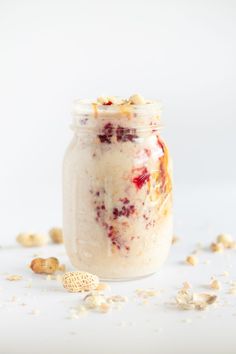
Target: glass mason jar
<point x="117" y="191"/>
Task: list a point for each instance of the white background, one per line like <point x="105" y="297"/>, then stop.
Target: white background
<point x="182" y="52"/>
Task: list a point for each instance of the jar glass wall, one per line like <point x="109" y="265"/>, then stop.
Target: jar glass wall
<point x="117" y="191"/>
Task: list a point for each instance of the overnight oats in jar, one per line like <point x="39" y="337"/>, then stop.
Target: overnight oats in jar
<point x="117" y="189"/>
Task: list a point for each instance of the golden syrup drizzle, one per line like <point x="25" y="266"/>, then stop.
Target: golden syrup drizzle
<point x="164" y="168"/>
<point x="162" y="178"/>
<point x="95" y="109"/>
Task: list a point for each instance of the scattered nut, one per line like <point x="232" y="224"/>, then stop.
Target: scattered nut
<point x="31" y="239"/>
<point x="146" y="293"/>
<point x="186" y="285"/>
<point x="186" y="300"/>
<point x="217" y="247"/>
<point x="133" y="100"/>
<point x="56" y="235"/>
<point x="108" y="100"/>
<point x="225" y="239"/>
<point x="104" y="308"/>
<point x="102" y="287"/>
<point x="14" y="277"/>
<point x="117" y="298"/>
<point x="79" y="281"/>
<point x="46" y="266"/>
<point x="103" y="100"/>
<point x="192" y="260"/>
<point x="215" y="284"/>
<point x="136" y="99"/>
<point x="94" y="301"/>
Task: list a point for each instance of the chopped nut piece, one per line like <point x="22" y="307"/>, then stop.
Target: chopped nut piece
<point x="146" y="293"/>
<point x="184" y="300"/>
<point x="94" y="301"/>
<point x="136" y="99"/>
<point x="225" y="239"/>
<point x="14" y="277"/>
<point x="79" y="281"/>
<point x="217" y="247"/>
<point x="56" y="235"/>
<point x="215" y="284"/>
<point x="203" y="300"/>
<point x="102" y="287"/>
<point x="108" y="100"/>
<point x="187" y="300"/>
<point x="103" y="100"/>
<point x="186" y="285"/>
<point x="117" y="298"/>
<point x="192" y="260"/>
<point x="46" y="266"/>
<point x="31" y="239"/>
<point x="104" y="308"/>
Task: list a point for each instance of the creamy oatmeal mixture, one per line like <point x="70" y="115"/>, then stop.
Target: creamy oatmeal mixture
<point x="117" y="189"/>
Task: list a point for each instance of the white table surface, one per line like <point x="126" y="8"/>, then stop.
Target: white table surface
<point x="156" y="327"/>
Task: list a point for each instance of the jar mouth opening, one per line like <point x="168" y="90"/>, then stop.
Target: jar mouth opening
<point x="89" y="106"/>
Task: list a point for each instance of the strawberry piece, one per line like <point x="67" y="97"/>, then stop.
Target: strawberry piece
<point x="140" y="180"/>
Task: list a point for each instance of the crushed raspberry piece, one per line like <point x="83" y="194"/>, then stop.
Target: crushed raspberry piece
<point x="140" y="180"/>
<point x="107" y="103"/>
<point x="122" y="134"/>
<point x="125" y="211"/>
<point x="115" y="213"/>
<point x="112" y="234"/>
<point x="125" y="134"/>
<point x="124" y="200"/>
<point x="107" y="133"/>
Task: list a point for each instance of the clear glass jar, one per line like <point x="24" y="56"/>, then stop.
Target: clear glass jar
<point x="117" y="191"/>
